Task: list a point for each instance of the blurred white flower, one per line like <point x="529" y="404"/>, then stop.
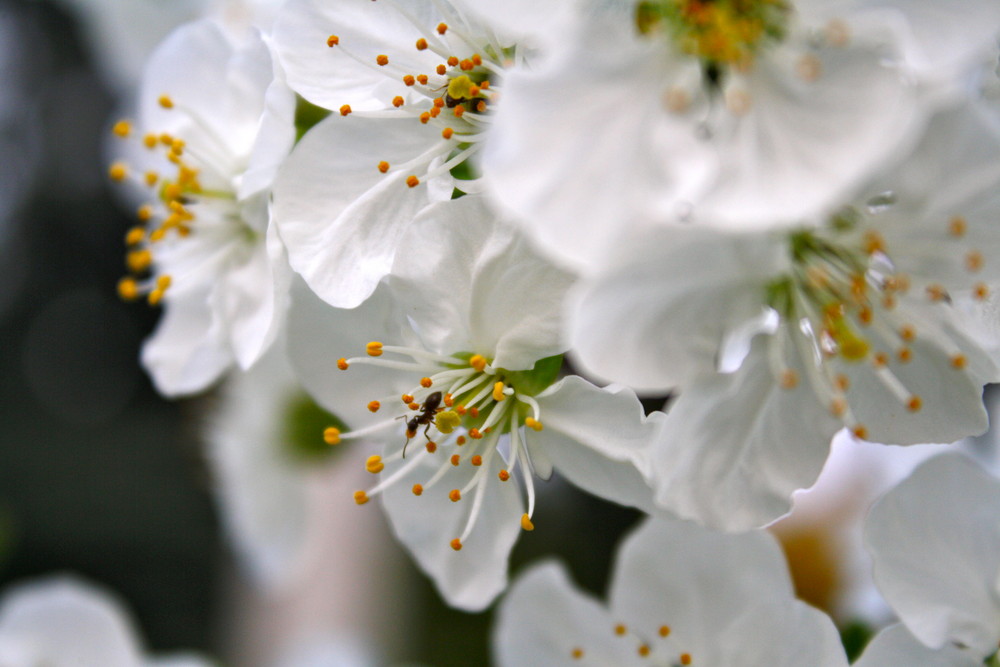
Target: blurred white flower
<point x="213" y="125"/>
<point x="412" y="86"/>
<point x="680" y="595"/>
<point x="477" y="374"/>
<point x="896" y="646"/>
<point x="62" y="622"/>
<point x="935" y="541"/>
<point x="778" y="339"/>
<point x="731" y="114"/>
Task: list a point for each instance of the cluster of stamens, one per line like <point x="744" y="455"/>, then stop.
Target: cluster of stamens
<point x="661" y="650"/>
<point x="840" y="303"/>
<point x="458" y="409"/>
<point x="455" y="95"/>
<point x="168" y="214"/>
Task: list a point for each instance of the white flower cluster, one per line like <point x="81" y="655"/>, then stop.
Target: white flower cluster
<point x="780" y="213"/>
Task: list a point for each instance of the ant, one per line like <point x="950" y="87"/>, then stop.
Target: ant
<point x="425" y="418"/>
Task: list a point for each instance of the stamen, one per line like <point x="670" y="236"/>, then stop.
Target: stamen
<point x="331" y="435"/>
<point x="526" y="523"/>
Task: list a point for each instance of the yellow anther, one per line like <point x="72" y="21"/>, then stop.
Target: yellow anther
<point x="838" y="407"/>
<point x="409" y="80"/>
<point x="503" y="475"/>
<point x="685" y="658"/>
<point x="398" y="101"/>
<point x="135" y="236"/>
<point x="449" y="400"/>
<point x="888" y="301"/>
<point x="620" y="630"/>
<point x="122" y="128"/>
<point x="447" y="421"/>
<point x="150" y="141"/>
<point x="789" y="379"/>
<point x="458" y="111"/>
<point x="374" y="464"/>
<point x="455" y="495"/>
<point x="914" y="404"/>
<point x="980" y="291"/>
<point x="414" y="406"/>
<point x="973" y="261"/>
<point x="452" y="61"/>
<point x="841" y="382"/>
<point x="426" y="382"/>
<point x="466" y="65"/>
<point x="166" y="139"/>
<point x="374" y="406"/>
<point x="865" y="316"/>
<point x="128" y="290"/>
<point x="664" y="631"/>
<point x="383" y="166"/>
<point x="151" y="178"/>
<point x="476" y="460"/>
<point x="406" y="398"/>
<point x="959" y="361"/>
<point x="360" y="497"/>
<point x="441" y="69"/>
<point x="412" y="181"/>
<point x="421" y="44"/>
<point x="907" y="332"/>
<point x="382" y="59"/>
<point x="880" y="360"/>
<point x="860" y="432"/>
<point x="417" y="489"/>
<point x="374" y="349"/>
<point x="460" y="440"/>
<point x="526" y="522"/>
<point x="873" y="242"/>
<point x="331" y="435"/>
<point x="166" y="102"/>
<point x="425" y="117"/>
<point x="576" y="653"/>
<point x="139" y="260"/>
<point x="905" y="355"/>
<point x="422" y="79"/>
<point x="332" y="41"/>
<point x="478" y="362"/>
<point x="475" y="434"/>
<point x="456" y="544"/>
<point x="345" y="110"/>
<point x="533" y="424"/>
<point x="431" y="446"/>
<point x="455" y="460"/>
<point x="117" y="172"/>
<point x="498" y="394"/>
<point x="936" y="292"/>
<point x="447" y="133"/>
<point x="477" y="59"/>
<point x="442" y="28"/>
<point x="644" y="650"/>
<point x="957" y="226"/>
<point x="154" y="297"/>
<point x="342" y="364"/>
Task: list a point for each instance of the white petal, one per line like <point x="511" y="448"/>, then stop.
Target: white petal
<point x="802" y="146"/>
<point x="472" y="283"/>
<point x="328" y="78"/>
<point x="581" y="147"/>
<point x="319" y="335"/>
<point x="705" y="284"/>
<point x="726" y="598"/>
<point x="597" y="438"/>
<point x="735" y="446"/>
<point x="896" y="646"/>
<point x="186" y="354"/>
<point x="468" y="579"/>
<point x="543" y="619"/>
<point x="936" y="548"/>
<point x="65" y="623"/>
<point x="340" y="218"/>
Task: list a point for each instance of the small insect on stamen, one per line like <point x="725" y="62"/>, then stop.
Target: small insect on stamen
<point x="424" y="418"/>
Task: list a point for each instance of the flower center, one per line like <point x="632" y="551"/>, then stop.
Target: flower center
<point x="453" y="95"/>
<point x="176" y="197"/>
<point x="841" y="301"/>
<point x="458" y="410"/>
<point x="720" y="33"/>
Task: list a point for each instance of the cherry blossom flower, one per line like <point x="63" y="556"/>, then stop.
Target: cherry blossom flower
<point x="61" y="622"/>
<point x="778" y="339"/>
<point x="936" y="547"/>
<point x="412" y="86"/>
<point x="214" y="124"/>
<point x="461" y="357"/>
<point x="680" y="595"/>
<point x="732" y="114"/>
